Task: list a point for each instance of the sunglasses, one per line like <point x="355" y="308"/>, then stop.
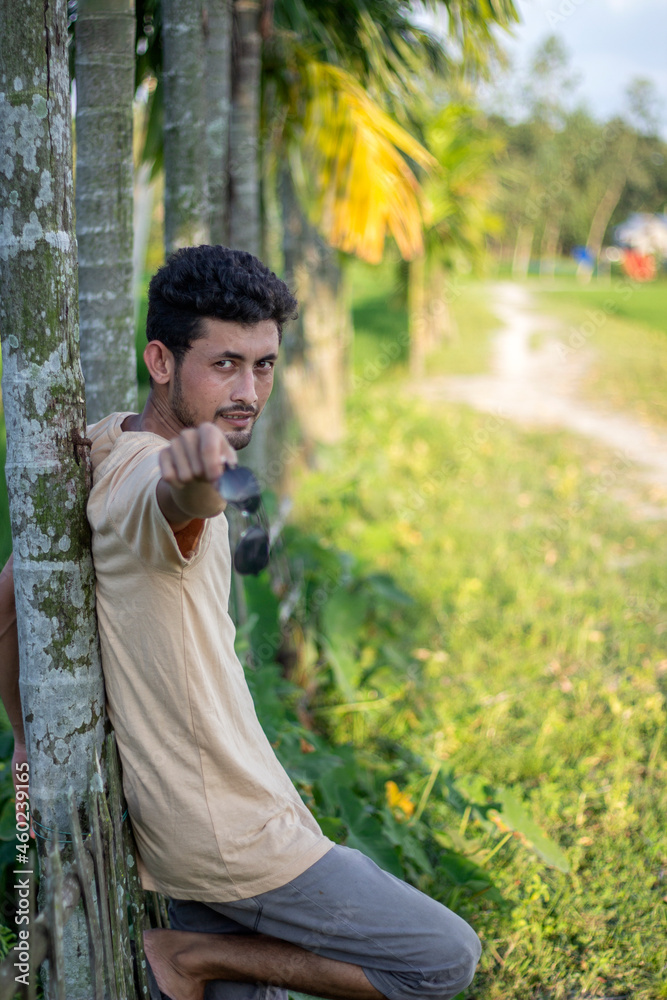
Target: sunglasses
<point x="240" y="489"/>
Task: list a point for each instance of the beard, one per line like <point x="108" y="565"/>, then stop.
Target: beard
<point x="237" y="439"/>
<point x="179" y="407"/>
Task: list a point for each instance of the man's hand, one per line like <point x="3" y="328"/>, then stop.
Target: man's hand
<point x="191" y="465"/>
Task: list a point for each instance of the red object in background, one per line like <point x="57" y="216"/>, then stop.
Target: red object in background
<point x="639" y="266"/>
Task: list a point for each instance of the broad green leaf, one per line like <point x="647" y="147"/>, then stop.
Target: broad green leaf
<point x="513" y="816"/>
<point x="332" y="827"/>
<point x="367" y="837"/>
<point x="461" y="871"/>
<point x="403" y="836"/>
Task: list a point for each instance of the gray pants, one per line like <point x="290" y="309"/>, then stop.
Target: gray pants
<point x="345" y="907"/>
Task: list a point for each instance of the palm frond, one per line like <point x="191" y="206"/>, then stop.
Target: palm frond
<point x="361" y="186"/>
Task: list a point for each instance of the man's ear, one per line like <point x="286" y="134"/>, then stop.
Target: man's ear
<point x="160" y="362"/>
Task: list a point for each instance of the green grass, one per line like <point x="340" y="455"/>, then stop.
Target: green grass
<point x="380" y="321"/>
<point x="640" y="303"/>
<point x="537" y="647"/>
<point x="625" y="326"/>
<point x="381" y="341"/>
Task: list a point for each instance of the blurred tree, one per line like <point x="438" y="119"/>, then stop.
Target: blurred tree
<point x="186" y="208"/>
<point x="458" y="220"/>
<point x="245" y="229"/>
<point x="104" y="66"/>
<point x="218" y="45"/>
<point x="348" y="155"/>
<point x="565" y="178"/>
<point x="622" y="148"/>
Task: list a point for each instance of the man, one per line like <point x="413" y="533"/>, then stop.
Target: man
<point x="261" y="900"/>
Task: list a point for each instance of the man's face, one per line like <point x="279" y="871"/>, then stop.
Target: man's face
<point x="226" y="377"/>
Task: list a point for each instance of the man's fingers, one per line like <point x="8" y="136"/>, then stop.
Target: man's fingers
<point x="167" y="467"/>
<point x="182" y="462"/>
<point x="215" y="451"/>
<point x="189" y="441"/>
<point x="185" y="456"/>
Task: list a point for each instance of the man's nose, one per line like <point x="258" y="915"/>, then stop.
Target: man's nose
<point x="245" y="390"/>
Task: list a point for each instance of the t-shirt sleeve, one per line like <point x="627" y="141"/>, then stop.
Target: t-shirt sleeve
<point x="134" y="513"/>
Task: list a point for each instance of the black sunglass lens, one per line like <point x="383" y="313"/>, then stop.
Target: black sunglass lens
<point x="252" y="552"/>
<point x="240" y="487"/>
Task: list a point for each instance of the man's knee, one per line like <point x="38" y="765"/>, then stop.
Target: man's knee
<point x="461" y="951"/>
<point x="448" y="967"/>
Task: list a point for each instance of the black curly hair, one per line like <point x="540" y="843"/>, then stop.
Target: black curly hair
<point x="215" y="282"/>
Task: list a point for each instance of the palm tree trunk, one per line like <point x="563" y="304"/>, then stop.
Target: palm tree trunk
<point x="244" y="169"/>
<point x="105" y="32"/>
<point x="611" y="197"/>
<point x="522" y="251"/>
<point x="47" y="468"/>
<point x="218" y="43"/>
<point x="185" y="170"/>
<point x="417" y="317"/>
<point x="317" y="346"/>
<point x="549" y="245"/>
<point x="440" y="293"/>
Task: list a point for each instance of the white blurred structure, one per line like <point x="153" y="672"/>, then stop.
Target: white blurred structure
<point x="645" y="233"/>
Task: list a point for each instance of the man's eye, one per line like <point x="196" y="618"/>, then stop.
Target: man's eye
<point x="265" y="365"/>
<point x="225" y="363"/>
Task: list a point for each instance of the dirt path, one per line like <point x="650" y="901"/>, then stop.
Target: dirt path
<point x="535" y="382"/>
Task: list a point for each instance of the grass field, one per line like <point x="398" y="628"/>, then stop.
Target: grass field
<point x="538" y="647"/>
<point x="637" y="302"/>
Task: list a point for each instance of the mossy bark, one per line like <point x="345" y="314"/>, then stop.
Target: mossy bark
<point x="48" y="462"/>
<point x="105" y="31"/>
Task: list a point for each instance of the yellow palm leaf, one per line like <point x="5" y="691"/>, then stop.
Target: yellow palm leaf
<point x="361" y="186"/>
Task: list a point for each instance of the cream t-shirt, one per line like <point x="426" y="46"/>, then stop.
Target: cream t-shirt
<point x="214" y="814"/>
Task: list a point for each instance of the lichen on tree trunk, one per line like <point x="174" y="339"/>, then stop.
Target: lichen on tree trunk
<point x="105" y="31"/>
<point x="47" y="467"/>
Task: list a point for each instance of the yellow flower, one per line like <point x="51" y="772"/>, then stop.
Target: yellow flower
<point x="398" y="800"/>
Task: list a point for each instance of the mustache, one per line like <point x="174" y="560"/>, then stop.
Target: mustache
<point x="250" y="410"/>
